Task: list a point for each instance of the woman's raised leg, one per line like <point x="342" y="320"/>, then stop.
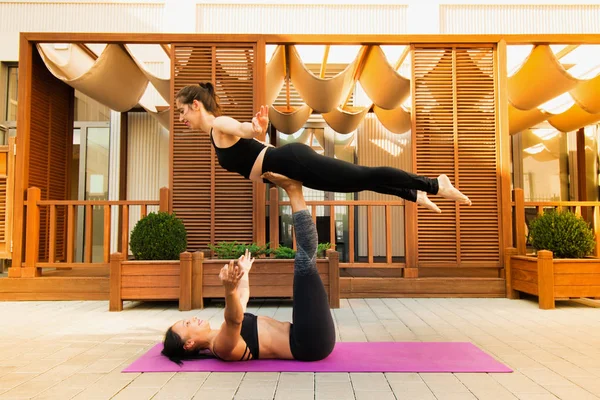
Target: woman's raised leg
<point x="312" y="336"/>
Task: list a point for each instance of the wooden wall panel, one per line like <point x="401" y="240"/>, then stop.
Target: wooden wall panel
<point x="434" y="138"/>
<point x="455" y="134"/>
<point x="214" y="204"/>
<point x="50" y="148"/>
<point x="477" y="156"/>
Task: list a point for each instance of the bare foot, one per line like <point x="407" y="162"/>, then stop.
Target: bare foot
<point x="423" y="200"/>
<point x="282" y="181"/>
<point x="448" y="191"/>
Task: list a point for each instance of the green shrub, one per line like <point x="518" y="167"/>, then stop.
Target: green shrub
<point x="158" y="236"/>
<point x="284" y="252"/>
<point x="322" y="249"/>
<point x="233" y="250"/>
<point x="564" y="233"/>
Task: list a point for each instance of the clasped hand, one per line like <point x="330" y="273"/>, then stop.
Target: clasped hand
<point x="230" y="276"/>
<point x="260" y="122"/>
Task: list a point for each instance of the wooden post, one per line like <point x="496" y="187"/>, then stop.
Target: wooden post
<point x="504" y="147"/>
<point x="185" y="281"/>
<point x="125" y="232"/>
<point x="106" y="244"/>
<point x="274" y="217"/>
<point x="10" y="193"/>
<point x="597" y="229"/>
<point x="115" y="303"/>
<point x="21" y="177"/>
<point x="510" y="292"/>
<point x="259" y="194"/>
<point x="32" y="239"/>
<point x="581" y="171"/>
<point x="410" y="240"/>
<point x="370" y="235"/>
<point x="164" y="200"/>
<point x="197" y="275"/>
<point x="410" y="272"/>
<point x="388" y="233"/>
<point x="545" y="279"/>
<point x="519" y="199"/>
<point x="334" y="278"/>
<point x="88" y="234"/>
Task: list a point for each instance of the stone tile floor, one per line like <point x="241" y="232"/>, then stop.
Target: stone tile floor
<point x="76" y="350"/>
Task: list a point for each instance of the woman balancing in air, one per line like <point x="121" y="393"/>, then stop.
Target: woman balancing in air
<point x="239" y="151"/>
<point x="244" y="336"/>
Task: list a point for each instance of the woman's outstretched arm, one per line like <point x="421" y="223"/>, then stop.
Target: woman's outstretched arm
<point x="228" y="339"/>
<point x="245" y="263"/>
<point x="248" y="130"/>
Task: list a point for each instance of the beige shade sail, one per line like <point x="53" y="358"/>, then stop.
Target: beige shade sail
<point x="114" y="80"/>
<point x="573" y="119"/>
<point x="587" y="95"/>
<point x="73" y="61"/>
<point x="519" y="120"/>
<point x="276" y="73"/>
<point x="321" y="94"/>
<point x="345" y="120"/>
<point x="288" y="120"/>
<point x="163" y="86"/>
<point x="385" y="87"/>
<point x="397" y="120"/>
<point x="540" y="79"/>
<point x="530" y="139"/>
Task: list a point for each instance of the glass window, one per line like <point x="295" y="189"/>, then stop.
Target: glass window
<point x="545" y="164"/>
<point x="11" y="98"/>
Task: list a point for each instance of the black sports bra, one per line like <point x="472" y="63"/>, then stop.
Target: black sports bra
<point x="249" y="333"/>
<point x="240" y="157"/>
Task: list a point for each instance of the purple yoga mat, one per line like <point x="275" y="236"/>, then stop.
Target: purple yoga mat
<point x="346" y="357"/>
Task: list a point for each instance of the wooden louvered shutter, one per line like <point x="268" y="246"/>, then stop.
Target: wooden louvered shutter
<point x="50" y="149"/>
<point x="215" y="204"/>
<point x="455" y="134"/>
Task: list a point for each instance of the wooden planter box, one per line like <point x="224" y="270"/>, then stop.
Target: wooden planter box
<point x="152" y="280"/>
<point x="551" y="279"/>
<point x="268" y="278"/>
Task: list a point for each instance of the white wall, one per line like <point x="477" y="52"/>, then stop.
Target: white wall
<point x="74" y="16"/>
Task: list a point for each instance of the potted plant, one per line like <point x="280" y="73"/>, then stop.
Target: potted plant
<point x="561" y="266"/>
<point x="162" y="269"/>
<point x="272" y="273"/>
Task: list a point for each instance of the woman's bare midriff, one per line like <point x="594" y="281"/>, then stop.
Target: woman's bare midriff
<point x="274" y="339"/>
<point x="257" y="167"/>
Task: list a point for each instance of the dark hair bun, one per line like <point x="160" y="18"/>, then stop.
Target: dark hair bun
<point x="208" y="86"/>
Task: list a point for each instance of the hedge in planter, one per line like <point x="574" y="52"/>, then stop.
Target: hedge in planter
<point x="158" y="236"/>
<point x="561" y="268"/>
<point x="565" y="234"/>
<point x="233" y="250"/>
<point x="162" y="270"/>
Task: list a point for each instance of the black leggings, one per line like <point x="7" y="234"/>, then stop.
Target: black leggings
<point x="312" y="335"/>
<point x="300" y="162"/>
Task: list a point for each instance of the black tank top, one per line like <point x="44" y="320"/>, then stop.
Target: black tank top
<point x="240" y="157"/>
<point x="250" y="334"/>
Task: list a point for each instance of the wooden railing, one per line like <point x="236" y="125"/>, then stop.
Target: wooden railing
<point x="274" y="205"/>
<point x="7" y="174"/>
<point x="32" y="265"/>
<point x="578" y="207"/>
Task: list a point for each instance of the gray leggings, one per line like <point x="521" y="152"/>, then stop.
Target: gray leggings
<point x="312" y="335"/>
